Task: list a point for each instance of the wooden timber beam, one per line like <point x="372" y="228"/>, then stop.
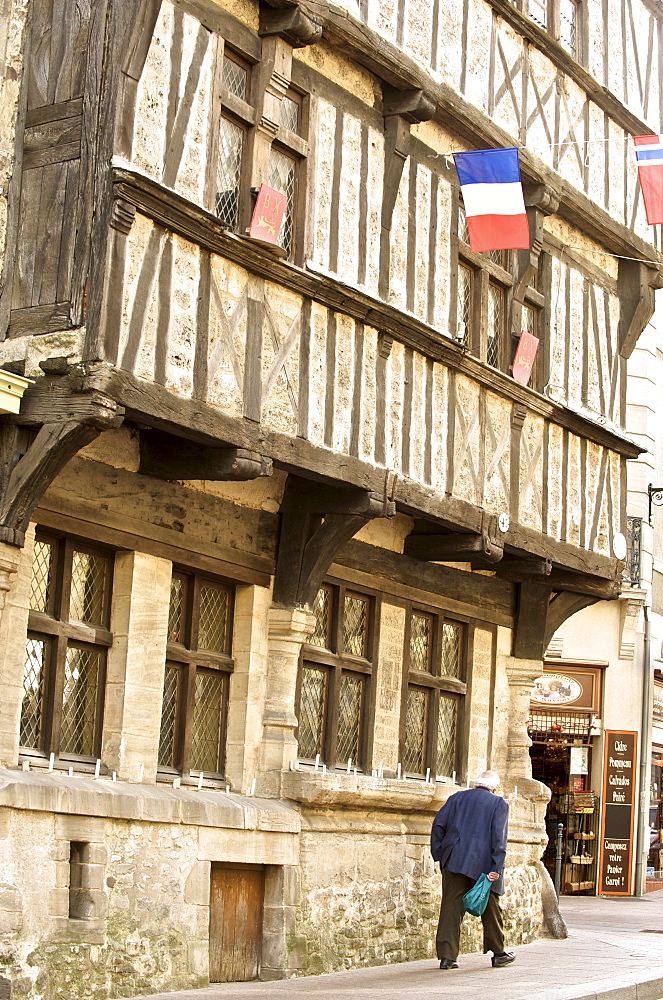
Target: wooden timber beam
<point x="531" y="617"/>
<point x="316" y="521"/>
<point x="155" y="406"/>
<point x="291" y="24"/>
<point x="480" y="550"/>
<point x="165" y="456"/>
<point x="59" y="415"/>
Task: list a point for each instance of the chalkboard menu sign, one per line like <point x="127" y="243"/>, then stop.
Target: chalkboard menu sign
<point x="618" y="800"/>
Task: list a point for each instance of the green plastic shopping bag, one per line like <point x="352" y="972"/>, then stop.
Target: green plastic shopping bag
<point x="476" y="899"/>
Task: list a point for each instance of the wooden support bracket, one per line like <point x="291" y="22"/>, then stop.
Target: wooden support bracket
<point x="59" y="415"/>
<point x="165" y="456"/>
<point x="316" y="521"/>
<point x="291" y="24"/>
<point x="481" y="550"/>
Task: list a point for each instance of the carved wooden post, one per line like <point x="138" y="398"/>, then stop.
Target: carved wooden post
<point x="9" y="558"/>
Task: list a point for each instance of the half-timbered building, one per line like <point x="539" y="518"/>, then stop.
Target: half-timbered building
<point x="282" y="540"/>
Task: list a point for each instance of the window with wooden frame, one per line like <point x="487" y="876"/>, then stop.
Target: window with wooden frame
<point x="68" y="638"/>
<point x="483" y="295"/>
<point x="334" y="689"/>
<point x="197" y="677"/>
<point x="433" y="694"/>
<point x="528" y="316"/>
<point x="229" y="169"/>
<point x="560" y="18"/>
<point x="233" y="145"/>
<point x="286" y="166"/>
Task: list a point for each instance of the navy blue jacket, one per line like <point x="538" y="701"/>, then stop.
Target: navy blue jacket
<point x="469" y="834"/>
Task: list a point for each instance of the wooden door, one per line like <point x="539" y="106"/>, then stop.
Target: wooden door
<point x="235" y="922"/>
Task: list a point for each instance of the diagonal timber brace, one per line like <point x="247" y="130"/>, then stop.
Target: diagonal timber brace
<point x="59" y="415"/>
<point x="316" y="521"/>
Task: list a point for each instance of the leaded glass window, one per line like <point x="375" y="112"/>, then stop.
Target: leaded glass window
<point x="282" y="177"/>
<point x="64" y="672"/>
<point x="416" y="719"/>
<point x="333" y="692"/>
<point x="235" y="76"/>
<point x="355" y="625"/>
<point x="312" y="712"/>
<point x="197" y="672"/>
<point x="290" y="114"/>
<point x="229" y="172"/>
<point x="429" y="728"/>
<point x="494" y="325"/>
<point x="464" y="303"/>
<point x="322" y="609"/>
<point x="538" y="12"/>
<point x="568" y="25"/>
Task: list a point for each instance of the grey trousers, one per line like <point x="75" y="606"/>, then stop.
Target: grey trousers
<point x="447" y="941"/>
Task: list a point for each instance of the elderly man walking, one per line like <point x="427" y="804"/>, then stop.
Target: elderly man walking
<point x="469" y="839"/>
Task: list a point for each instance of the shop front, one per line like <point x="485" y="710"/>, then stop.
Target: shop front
<point x="564" y="727"/>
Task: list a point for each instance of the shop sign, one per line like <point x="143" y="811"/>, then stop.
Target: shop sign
<point x="556" y="689"/>
<point x="618" y="800"/>
<point x="657" y="714"/>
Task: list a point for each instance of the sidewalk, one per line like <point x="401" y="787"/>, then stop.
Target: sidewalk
<point x="614" y="950"/>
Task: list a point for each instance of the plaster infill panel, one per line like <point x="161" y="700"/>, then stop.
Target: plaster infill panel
<point x="510" y="63"/>
<point x="226" y="345"/>
<point x="281" y="338"/>
<point x="467" y="441"/>
<point x="497" y="444"/>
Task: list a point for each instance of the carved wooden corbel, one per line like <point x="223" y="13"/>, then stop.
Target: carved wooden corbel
<point x="540" y="200"/>
<point x="636" y="284"/>
<point x="316" y="521"/>
<point x="165" y="456"/>
<point x="59" y="415"/>
<point x="291" y="24"/>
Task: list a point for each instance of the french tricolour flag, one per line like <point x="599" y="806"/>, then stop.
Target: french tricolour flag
<point x="493" y="196"/>
<point x="649" y="157"/>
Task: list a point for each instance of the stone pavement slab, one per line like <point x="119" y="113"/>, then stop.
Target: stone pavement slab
<point x="614" y="952"/>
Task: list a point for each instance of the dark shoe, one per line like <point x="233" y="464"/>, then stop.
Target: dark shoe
<point x="506" y="958"/>
<point x="448" y="963"/>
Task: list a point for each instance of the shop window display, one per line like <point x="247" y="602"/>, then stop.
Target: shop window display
<point x="655" y="858"/>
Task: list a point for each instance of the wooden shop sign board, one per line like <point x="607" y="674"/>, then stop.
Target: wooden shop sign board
<point x="618" y="813"/>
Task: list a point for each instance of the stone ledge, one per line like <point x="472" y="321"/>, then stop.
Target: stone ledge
<point x="122" y="800"/>
<point x="312" y="788"/>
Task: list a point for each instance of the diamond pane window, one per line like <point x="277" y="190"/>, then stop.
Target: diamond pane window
<point x="88" y="585"/>
<point x="176" y="609"/>
<point x="290" y="114"/>
<point x="446" y="737"/>
<point x="451" y="649"/>
<point x="494" y="326"/>
<point x="197" y="675"/>
<point x="42" y="568"/>
<point x="355" y="625"/>
<point x="33" y="686"/>
<point x="528" y="320"/>
<point x="229" y="170"/>
<point x="322" y="611"/>
<point x="235" y="78"/>
<point x="63" y="691"/>
<point x="415" y="730"/>
<point x="538" y="12"/>
<point x="567" y="25"/>
<point x="463" y="231"/>
<point x="168" y="717"/>
<point x="497" y="256"/>
<point x="464" y="303"/>
<point x="311" y="712"/>
<point x="212" y="628"/>
<point x="79" y="698"/>
<point x="421" y="634"/>
<point x="349" y="717"/>
<point x="282" y="170"/>
<point x="207" y="721"/>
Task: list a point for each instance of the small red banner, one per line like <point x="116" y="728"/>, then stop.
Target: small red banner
<point x="268" y="215"/>
<point x="521" y="369"/>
